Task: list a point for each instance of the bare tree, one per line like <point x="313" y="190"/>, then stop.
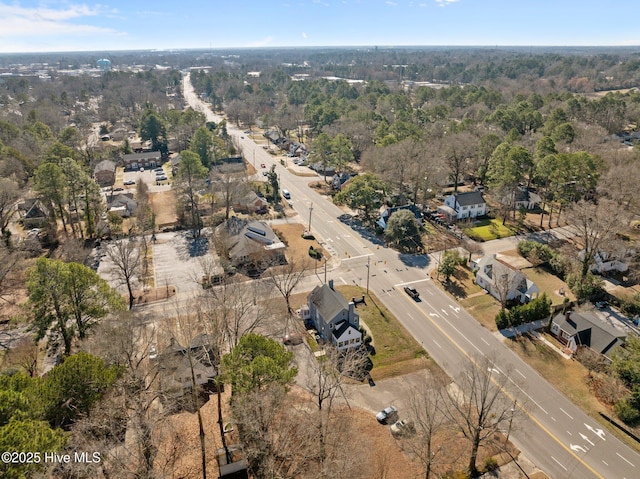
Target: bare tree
<point x="595" y="225"/>
<point x="325" y="381"/>
<point x="429" y="444"/>
<point x="9" y="194"/>
<point x="477" y="406"/>
<point x="286" y="277"/>
<point x="126" y="257"/>
<point x="230" y="184"/>
<point x="276" y="432"/>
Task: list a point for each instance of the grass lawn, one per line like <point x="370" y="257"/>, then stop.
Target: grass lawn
<point x="550" y="284"/>
<point x="487" y="230"/>
<point x="396" y="351"/>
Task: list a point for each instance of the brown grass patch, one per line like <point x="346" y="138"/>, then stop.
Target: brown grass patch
<point x="163" y="204"/>
<point x="298" y="247"/>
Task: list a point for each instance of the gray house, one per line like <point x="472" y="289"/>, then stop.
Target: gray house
<point x="587" y="330"/>
<point x="105" y="173"/>
<point x="334" y="318"/>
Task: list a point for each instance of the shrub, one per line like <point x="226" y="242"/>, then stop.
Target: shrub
<point x="315" y="253"/>
<point x="536" y="309"/>
<point x="490" y="464"/>
<point x="626" y="412"/>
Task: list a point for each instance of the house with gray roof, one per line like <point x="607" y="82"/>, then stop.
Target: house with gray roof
<point x="334" y="318"/>
<point x="252" y="243"/>
<point x="105" y="173"/>
<point x="585" y="329"/>
<point x="525" y="198"/>
<point x="502" y="280"/>
<point x="469" y="204"/>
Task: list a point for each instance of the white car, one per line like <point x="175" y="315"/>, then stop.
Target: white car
<point x="404" y="427"/>
<point x="129" y="182"/>
<point x="386" y="414"/>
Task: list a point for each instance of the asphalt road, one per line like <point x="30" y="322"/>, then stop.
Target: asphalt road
<point x="555" y="434"/>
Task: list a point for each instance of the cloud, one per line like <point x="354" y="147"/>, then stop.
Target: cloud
<point x="391" y="4"/>
<point x="444" y="3"/>
<point x="304" y="35"/>
<point x="261" y="43"/>
<point x="16" y="21"/>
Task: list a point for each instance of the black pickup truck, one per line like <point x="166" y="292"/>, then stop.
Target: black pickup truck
<point x="413" y="292"/>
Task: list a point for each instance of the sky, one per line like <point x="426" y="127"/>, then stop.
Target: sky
<point x="54" y="26"/>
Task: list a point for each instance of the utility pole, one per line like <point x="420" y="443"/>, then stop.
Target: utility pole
<point x="368" y="271"/>
<point x="310" y="211"/>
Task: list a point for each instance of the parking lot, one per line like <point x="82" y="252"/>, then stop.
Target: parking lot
<point x="149" y="177"/>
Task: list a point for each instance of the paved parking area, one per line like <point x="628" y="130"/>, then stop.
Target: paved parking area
<point x="177" y="261"/>
<point x="148" y="177"/>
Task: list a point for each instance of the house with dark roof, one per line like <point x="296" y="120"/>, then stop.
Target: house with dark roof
<point x="469" y="204"/>
<point x="334" y="318"/>
<point x="148" y="159"/>
<point x="33" y="213"/>
<point x="123" y="204"/>
<point x="585" y="329"/>
<point x="525" y="198"/>
<point x="252" y="243"/>
<point x="180" y="365"/>
<point x="105" y="173"/>
<point x="251" y="203"/>
<point x="503" y="281"/>
<point x="387" y="211"/>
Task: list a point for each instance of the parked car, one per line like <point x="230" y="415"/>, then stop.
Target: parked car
<point x="129" y="182"/>
<point x="162" y="178"/>
<point x="387" y="414"/>
<point x="413" y="292"/>
<point x="404" y="427"/>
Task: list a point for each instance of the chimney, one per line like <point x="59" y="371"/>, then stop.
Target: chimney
<point x="567" y="315"/>
<point x="331" y="283"/>
<point x="351" y="309"/>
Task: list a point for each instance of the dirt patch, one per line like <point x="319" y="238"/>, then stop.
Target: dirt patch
<point x="154" y="294"/>
<point x="163" y="204"/>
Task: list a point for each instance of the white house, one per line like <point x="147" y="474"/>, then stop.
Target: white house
<point x="335" y="320"/>
<point x="503" y="281"/>
<point x="469" y="204"/>
<point x="524" y="198"/>
<point x="604" y="262"/>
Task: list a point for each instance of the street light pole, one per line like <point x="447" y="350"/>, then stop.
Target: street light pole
<point x="310" y="211"/>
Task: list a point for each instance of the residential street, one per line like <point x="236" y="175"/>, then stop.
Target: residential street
<point x="555" y="434"/>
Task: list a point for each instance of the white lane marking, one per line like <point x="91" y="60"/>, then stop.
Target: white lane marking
<point x="455" y="310"/>
<point x="445" y="312"/>
<point x="485" y="341"/>
<point x="521" y="374"/>
<point x="625" y="460"/>
<point x="342" y="279"/>
<point x="409" y="315"/>
<point x="434" y="314"/>
<point x="409" y="282"/>
<point x="577" y="448"/>
<point x="570" y="416"/>
<point x="585" y="438"/>
<point x="569" y="432"/>
<point x="559" y="463"/>
<point x="553" y="419"/>
<point x="599" y="432"/>
<point x="357" y="257"/>
<point x="605" y="463"/>
<point x="436" y="342"/>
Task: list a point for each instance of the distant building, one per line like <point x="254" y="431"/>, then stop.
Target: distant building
<point x="104" y="64"/>
<point x="150" y="159"/>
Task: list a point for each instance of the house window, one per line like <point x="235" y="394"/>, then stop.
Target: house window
<point x="465" y="208"/>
